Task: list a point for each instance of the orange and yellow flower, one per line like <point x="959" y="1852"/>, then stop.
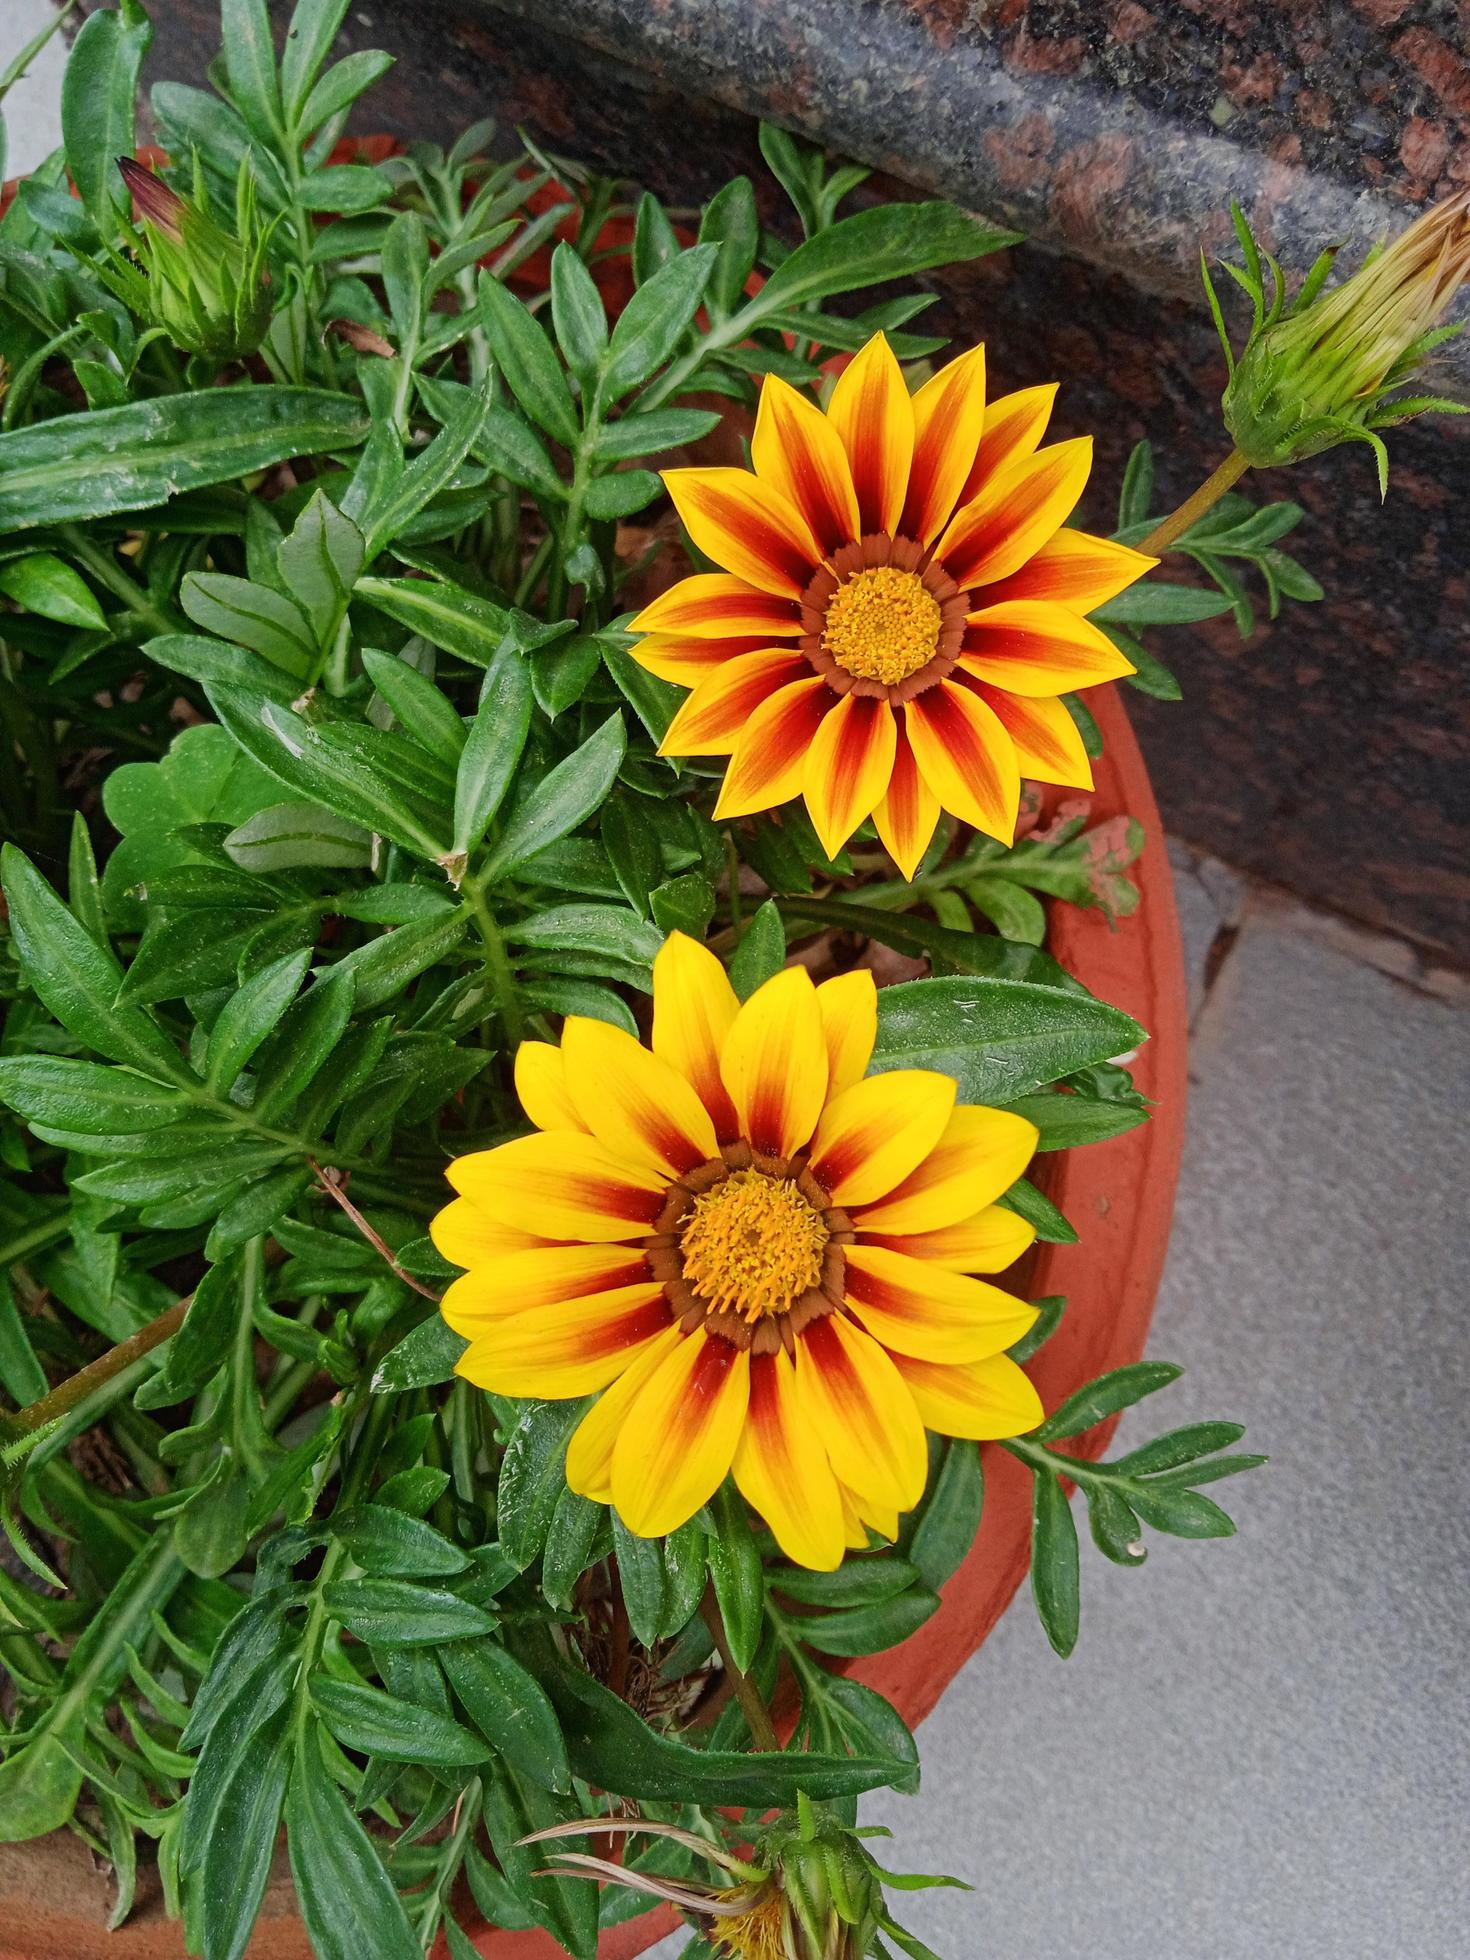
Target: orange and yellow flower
<point x="900" y="608"/>
<point x="756" y="1254"/>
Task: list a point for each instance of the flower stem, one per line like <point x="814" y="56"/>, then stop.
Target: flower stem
<point x="1193" y="508"/>
<point x="757" y="1715"/>
<point x="60" y="1400"/>
<point x="497" y="964"/>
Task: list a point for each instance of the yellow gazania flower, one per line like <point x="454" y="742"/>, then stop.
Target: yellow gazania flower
<point x="762" y="1256"/>
<point x="900" y="607"/>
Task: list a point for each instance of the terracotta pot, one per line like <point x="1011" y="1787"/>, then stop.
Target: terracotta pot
<point x="1119" y="1195"/>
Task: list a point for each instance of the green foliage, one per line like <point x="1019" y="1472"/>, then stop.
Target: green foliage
<point x="316" y="640"/>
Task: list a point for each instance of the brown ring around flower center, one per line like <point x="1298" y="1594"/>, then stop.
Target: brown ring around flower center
<point x="844" y="642"/>
<point x="809" y="1226"/>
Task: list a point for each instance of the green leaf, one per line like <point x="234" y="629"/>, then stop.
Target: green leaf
<point x="387" y="1544"/>
<point x="870" y="1629"/>
<point x="641" y="1575"/>
<point x="947" y="950"/>
<point x="577" y="313"/>
<point x="569" y="1544"/>
<point x="1114" y="1525"/>
<point x="380" y="1724"/>
<point x="86" y="1098"/>
<point x="1153" y="603"/>
<point x="1110" y="1393"/>
<point x="621" y="494"/>
<point x="889" y="242"/>
<point x="493" y="749"/>
<point x="645" y="435"/>
<point x="421" y="1359"/>
<point x="307" y="1034"/>
<point x="319" y="564"/>
<point x="951" y="1515"/>
<point x="242" y="1842"/>
<point x="731" y="224"/>
<point x="510" y="1709"/>
<point x="78" y="979"/>
<point x="1183" y="1513"/>
<point x="1054" y="1569"/>
<point x="1178" y="1446"/>
<point x="859" y="1581"/>
<point x="252" y="616"/>
<point x="99" y="92"/>
<point x="393" y="1613"/>
<point x="460" y="622"/>
<point x="761" y="953"/>
<point x="999" y="1039"/>
<point x="514" y="1807"/>
<point x="654" y="321"/>
<point x="611" y="1746"/>
<point x="202" y="1344"/>
<point x="1049" y="1313"/>
<point x="533" y="1475"/>
<point x="1066" y="1121"/>
<point x="314" y="27"/>
<point x="603" y="929"/>
<point x="249" y="1016"/>
<point x="250" y="63"/>
<point x="349" y="1904"/>
<point x="561" y="800"/>
<point x="44" y="584"/>
<point x="294" y="836"/>
<point x="527" y="360"/>
<point x="738" y="1573"/>
<point x="125" y="459"/>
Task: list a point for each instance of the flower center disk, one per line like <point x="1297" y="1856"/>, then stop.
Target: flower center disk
<point x="753" y="1245"/>
<point x="882" y="624"/>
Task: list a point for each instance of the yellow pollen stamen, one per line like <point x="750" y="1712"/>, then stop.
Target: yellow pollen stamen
<point x="753" y="1245"/>
<point x="753" y="1935"/>
<point x="882" y="624"/>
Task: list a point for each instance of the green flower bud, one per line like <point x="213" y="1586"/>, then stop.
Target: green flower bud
<point x="1326" y="369"/>
<point x="207" y="289"/>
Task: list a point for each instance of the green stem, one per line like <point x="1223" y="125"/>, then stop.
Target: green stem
<point x="1193" y="508"/>
<point x="757" y="1715"/>
<point x="35" y="1238"/>
<point x="106" y="570"/>
<point x="497" y="962"/>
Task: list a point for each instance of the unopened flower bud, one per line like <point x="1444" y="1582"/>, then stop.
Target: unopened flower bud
<point x="1326" y="369"/>
<point x="208" y="289"/>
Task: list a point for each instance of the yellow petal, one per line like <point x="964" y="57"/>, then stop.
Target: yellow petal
<point x="1075" y="570"/>
<point x="465" y="1235"/>
<point x="517" y="1281"/>
<point x="589" y="1454"/>
<point x="769" y="758"/>
<point x="1030" y="647"/>
<point x="987" y="1243"/>
<point x="694" y="1008"/>
<point x="782" y="1468"/>
<point x="1015" y="513"/>
<point x="679" y="1438"/>
<point x="798" y="453"/>
<point x="849" y="1008"/>
<point x="713" y="605"/>
<point x="981" y="1400"/>
<point x="774" y="1063"/>
<point x="687" y="662"/>
<point x="916" y="1307"/>
<point x="871" y="412"/>
<point x="1014" y="426"/>
<point x="566" y="1350"/>
<point x="749" y="529"/>
<point x="848" y="767"/>
<point x="981" y="1154"/>
<point x="863" y="1413"/>
<point x="541" y="1085"/>
<point x="874" y="1134"/>
<point x="949" y="419"/>
<point x="561" y="1184"/>
<point x="907" y="815"/>
<point x="966" y="758"/>
<point x="711" y="720"/>
<point x="1047" y="741"/>
<point x="632" y="1100"/>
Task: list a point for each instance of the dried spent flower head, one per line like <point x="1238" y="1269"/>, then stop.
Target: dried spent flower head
<point x="207" y="288"/>
<point x="1326" y="369"/>
<point x="809" y="1890"/>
